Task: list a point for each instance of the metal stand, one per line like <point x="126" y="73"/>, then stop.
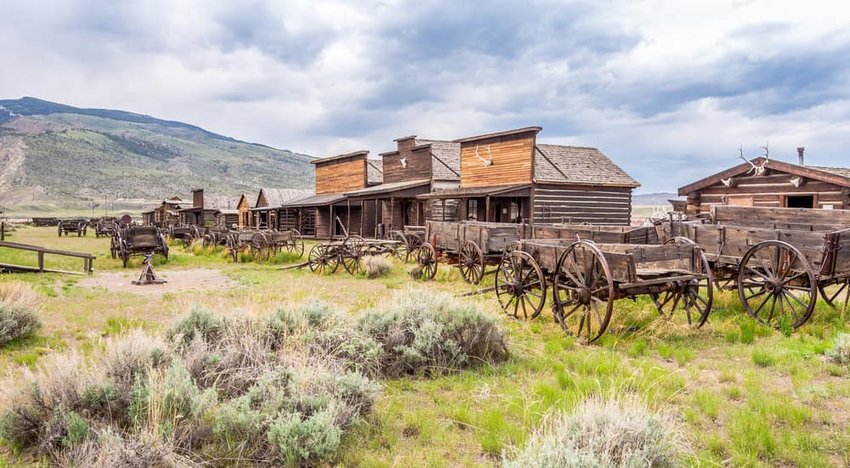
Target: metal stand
<point x="148" y="275"/>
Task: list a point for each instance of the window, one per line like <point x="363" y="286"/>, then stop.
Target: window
<point x="800" y="201"/>
<point x="472" y="209"/>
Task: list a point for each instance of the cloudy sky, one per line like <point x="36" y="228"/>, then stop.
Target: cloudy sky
<point x="669" y="90"/>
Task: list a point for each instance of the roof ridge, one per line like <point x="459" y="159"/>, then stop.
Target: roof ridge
<point x="546" y="157"/>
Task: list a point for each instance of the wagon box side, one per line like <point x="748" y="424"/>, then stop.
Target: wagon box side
<point x="837" y="262"/>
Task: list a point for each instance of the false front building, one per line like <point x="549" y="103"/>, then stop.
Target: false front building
<point x="509" y="177"/>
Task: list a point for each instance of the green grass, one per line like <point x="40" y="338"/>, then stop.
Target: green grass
<point x="745" y="395"/>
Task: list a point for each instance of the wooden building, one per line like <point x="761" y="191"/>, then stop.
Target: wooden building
<point x="166" y="214"/>
<point x="329" y="212"/>
<point x="267" y="206"/>
<point x="243" y="212"/>
<point x="416" y="167"/>
<point x="227" y="218"/>
<point x="204" y="208"/>
<point x="769" y="182"/>
<point x="509" y="177"/>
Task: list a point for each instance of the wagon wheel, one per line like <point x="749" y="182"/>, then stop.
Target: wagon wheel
<point x="832" y="298"/>
<point x="694" y="296"/>
<point x="776" y="284"/>
<point x="125" y="255"/>
<point x="59" y="228"/>
<point x="260" y="246"/>
<point x="353" y="250"/>
<point x="163" y="245"/>
<point x="296" y="245"/>
<point x="113" y="245"/>
<point x="426" y="258"/>
<point x="584" y="291"/>
<point x="401" y="250"/>
<point x="414" y="241"/>
<point x="520" y="285"/>
<point x="233" y="247"/>
<point x="322" y="259"/>
<point x="471" y="262"/>
<point x="209" y="239"/>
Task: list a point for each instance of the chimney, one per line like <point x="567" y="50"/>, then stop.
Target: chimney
<point x="800" y="154"/>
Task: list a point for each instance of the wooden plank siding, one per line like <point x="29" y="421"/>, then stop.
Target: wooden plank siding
<point x="512" y="156"/>
<point x="577" y="204"/>
<point x="418" y="162"/>
<point x="341" y="176"/>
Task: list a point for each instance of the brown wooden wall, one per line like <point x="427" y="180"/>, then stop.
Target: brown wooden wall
<point x="245" y="216"/>
<point x="418" y="163"/>
<point x="512" y="161"/>
<point x="198" y="198"/>
<point x="769" y="190"/>
<point x="341" y="176"/>
<point x="577" y="204"/>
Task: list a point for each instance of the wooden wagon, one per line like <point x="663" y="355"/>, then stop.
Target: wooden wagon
<point x="67" y="226"/>
<point x="409" y="240"/>
<point x="104" y="227"/>
<point x="470" y="245"/>
<point x="586" y="278"/>
<point x="778" y="259"/>
<point x="215" y="236"/>
<point x="138" y="240"/>
<point x="325" y="258"/>
<point x="186" y="234"/>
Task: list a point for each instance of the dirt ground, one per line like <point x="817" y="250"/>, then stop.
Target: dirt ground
<point x="197" y="279"/>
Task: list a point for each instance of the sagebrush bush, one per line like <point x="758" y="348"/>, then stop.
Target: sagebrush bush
<point x="840" y="351"/>
<point x="602" y="433"/>
<point x="199" y="322"/>
<point x="16" y="322"/>
<point x="427" y="332"/>
<point x="376" y="265"/>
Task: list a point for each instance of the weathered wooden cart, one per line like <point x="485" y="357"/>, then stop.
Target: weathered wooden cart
<point x="185" y="234"/>
<point x="586" y="278"/>
<point x="215" y="236"/>
<point x="778" y="259"/>
<point x="326" y="258"/>
<point x="67" y="226"/>
<point x="469" y="245"/>
<point x="287" y="240"/>
<point x="138" y="240"/>
<point x="104" y="227"/>
<point x="409" y="240"/>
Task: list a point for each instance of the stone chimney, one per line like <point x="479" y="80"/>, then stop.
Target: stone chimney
<point x="800" y="155"/>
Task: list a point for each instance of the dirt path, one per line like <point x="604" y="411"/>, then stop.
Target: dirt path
<point x="199" y="279"/>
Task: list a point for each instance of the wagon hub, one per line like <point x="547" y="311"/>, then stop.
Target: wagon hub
<point x="584" y="295"/>
<point x="775" y="285"/>
<point x="515" y="288"/>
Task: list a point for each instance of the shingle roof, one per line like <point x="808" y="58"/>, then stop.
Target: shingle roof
<point x="445" y="159"/>
<point x="374" y="171"/>
<point x="279" y="196"/>
<point x="839" y="171"/>
<point x="578" y="165"/>
<point x="462" y="192"/>
<point x="217" y="202"/>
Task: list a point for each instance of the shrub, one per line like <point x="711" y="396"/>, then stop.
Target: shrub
<point x="428" y="332"/>
<point x="376" y="265"/>
<point x="199" y="323"/>
<point x="16" y="322"/>
<point x="302" y="439"/>
<point x="18" y="293"/>
<point x="840" y="352"/>
<point x="602" y="433"/>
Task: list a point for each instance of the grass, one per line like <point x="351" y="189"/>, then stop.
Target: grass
<point x="743" y="394"/>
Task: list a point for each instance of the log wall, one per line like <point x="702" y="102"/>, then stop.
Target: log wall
<point x="576" y="204"/>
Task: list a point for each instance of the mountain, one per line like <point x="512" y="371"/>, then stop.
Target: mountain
<point x="52" y="152"/>
<point x="653" y="199"/>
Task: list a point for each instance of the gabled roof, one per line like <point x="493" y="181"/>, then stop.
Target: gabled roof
<point x="445" y="158"/>
<point x="279" y="196"/>
<point x="832" y="175"/>
<point x="374" y="171"/>
<point x="362" y="153"/>
<point x="316" y="200"/>
<point x="391" y="187"/>
<point x="578" y="165"/>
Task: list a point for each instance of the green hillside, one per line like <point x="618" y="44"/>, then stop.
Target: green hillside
<point x="52" y="153"/>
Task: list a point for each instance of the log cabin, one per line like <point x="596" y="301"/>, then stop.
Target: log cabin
<point x="243" y="209"/>
<point x="166" y="214"/>
<point x="416" y="167"/>
<point x="204" y="208"/>
<point x="510" y="177"/>
<point x="329" y="213"/>
<point x="266" y="212"/>
<point x="772" y="183"/>
<point x="227" y="218"/>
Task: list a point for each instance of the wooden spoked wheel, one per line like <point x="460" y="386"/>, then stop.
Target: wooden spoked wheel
<point x="323" y="259"/>
<point x="777" y="285"/>
<point x="296" y="244"/>
<point x="113" y="245"/>
<point x="694" y="297"/>
<point x="414" y="242"/>
<point x="125" y="255"/>
<point x="471" y="262"/>
<point x="260" y="247"/>
<point x="163" y="246"/>
<point x="426" y="258"/>
<point x="401" y="250"/>
<point x="833" y="297"/>
<point x="353" y="250"/>
<point x="520" y="285"/>
<point x="583" y="291"/>
<point x="233" y="248"/>
<point x="209" y="239"/>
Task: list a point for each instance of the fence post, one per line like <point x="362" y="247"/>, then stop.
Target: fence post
<point x="41" y="261"/>
<point x="3" y="231"/>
